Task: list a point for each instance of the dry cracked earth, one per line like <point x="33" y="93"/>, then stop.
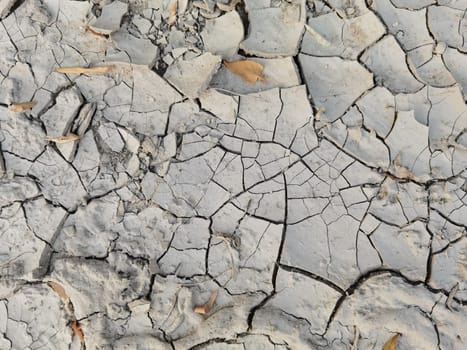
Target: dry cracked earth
<point x="325" y="203"/>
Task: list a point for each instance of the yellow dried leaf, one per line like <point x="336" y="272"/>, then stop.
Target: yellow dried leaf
<point x="84" y="70"/>
<point x="248" y="70"/>
<point x="70" y="137"/>
<point x="206" y="308"/>
<point x="58" y="289"/>
<point x="22" y="106"/>
<point x="391" y="343"/>
<point x="76" y="327"/>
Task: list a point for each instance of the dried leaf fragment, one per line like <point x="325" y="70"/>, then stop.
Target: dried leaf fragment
<point x="70" y="137"/>
<point x="319" y="113"/>
<point x="76" y="327"/>
<point x="172" y="13"/>
<point x="206" y="308"/>
<point x="401" y="172"/>
<point x="84" y="70"/>
<point x="22" y="106"/>
<point x="96" y="32"/>
<point x="248" y="70"/>
<point x="57" y="288"/>
<point x="391" y="343"/>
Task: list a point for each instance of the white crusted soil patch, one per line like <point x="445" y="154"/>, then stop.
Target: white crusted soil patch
<point x="225" y="174"/>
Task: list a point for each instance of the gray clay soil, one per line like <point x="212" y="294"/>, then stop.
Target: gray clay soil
<point x="325" y="204"/>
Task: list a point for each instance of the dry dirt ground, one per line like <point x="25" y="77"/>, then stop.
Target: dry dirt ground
<point x="172" y="198"/>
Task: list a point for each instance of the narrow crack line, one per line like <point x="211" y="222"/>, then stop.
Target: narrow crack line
<point x="208" y="245"/>
<point x="377" y="272"/>
<point x="373" y="245"/>
<point x="327" y="177"/>
<point x="430" y="318"/>
<point x="429" y="262"/>
<point x="30" y="228"/>
<point x="313" y="276"/>
<point x="445" y="217"/>
<point x="211" y="341"/>
<point x="276" y="118"/>
<point x="258" y="243"/>
<point x="169" y="245"/>
<point x="463" y="35"/>
<point x="275" y="271"/>
<point x="264" y="218"/>
<point x="450" y="244"/>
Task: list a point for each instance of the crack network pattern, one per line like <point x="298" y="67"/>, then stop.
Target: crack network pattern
<point x="325" y="204"/>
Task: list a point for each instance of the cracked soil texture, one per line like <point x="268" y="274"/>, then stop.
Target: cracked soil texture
<point x="326" y="203"/>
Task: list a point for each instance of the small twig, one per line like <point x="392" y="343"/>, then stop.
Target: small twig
<point x="233" y="270"/>
<point x="355" y="338"/>
<point x="318" y="37"/>
<point x="95" y="32"/>
<point x="451" y="295"/>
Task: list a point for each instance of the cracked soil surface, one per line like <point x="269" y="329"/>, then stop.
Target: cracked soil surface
<point x="325" y="203"/>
